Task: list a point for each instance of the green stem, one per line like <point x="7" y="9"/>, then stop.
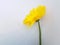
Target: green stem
<point x="39" y="33"/>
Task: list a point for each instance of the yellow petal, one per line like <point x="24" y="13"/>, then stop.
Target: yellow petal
<point x="28" y="20"/>
<point x="34" y="15"/>
<point x="41" y="10"/>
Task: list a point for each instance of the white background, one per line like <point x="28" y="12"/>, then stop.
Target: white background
<point x="14" y="32"/>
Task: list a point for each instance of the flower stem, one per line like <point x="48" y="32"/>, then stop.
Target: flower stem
<point x="39" y="33"/>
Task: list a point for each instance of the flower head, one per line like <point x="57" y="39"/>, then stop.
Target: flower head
<point x="34" y="15"/>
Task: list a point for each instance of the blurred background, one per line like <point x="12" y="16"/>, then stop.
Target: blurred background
<point x="14" y="32"/>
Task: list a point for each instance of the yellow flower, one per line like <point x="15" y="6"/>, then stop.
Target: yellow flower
<point x="34" y="15"/>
